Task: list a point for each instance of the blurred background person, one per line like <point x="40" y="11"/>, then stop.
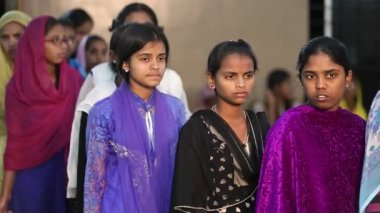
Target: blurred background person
<point x="70" y="36"/>
<point x="92" y="50"/>
<point x="82" y="22"/>
<point x="41" y="99"/>
<point x="12" y="26"/>
<point x="353" y="99"/>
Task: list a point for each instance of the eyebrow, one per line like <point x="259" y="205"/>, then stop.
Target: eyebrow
<point x="149" y="54"/>
<point x="325" y="71"/>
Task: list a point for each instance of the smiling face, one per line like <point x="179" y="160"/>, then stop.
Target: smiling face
<point x="234" y="80"/>
<point x="146" y="67"/>
<point x="324" y="81"/>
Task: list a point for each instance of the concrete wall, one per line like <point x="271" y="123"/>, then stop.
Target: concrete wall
<point x="275" y="29"/>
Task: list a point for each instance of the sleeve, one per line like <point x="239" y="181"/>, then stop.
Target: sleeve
<point x="97" y="149"/>
<point x="190" y="186"/>
<point x="275" y="191"/>
<point x="73" y="157"/>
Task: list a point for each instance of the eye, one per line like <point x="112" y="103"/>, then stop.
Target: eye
<point x="146" y="59"/>
<point x="309" y="75"/>
<point x="249" y="75"/>
<point x="162" y="59"/>
<point x="331" y="75"/>
<point x="229" y="76"/>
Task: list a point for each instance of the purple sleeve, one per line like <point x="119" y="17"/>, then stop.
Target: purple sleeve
<point x="275" y="191"/>
<point x="97" y="153"/>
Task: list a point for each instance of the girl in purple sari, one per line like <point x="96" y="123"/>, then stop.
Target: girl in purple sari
<point x="132" y="134"/>
<point x="314" y="153"/>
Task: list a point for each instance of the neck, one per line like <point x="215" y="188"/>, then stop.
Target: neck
<point x="52" y="71"/>
<point x="230" y="112"/>
<point x="141" y="91"/>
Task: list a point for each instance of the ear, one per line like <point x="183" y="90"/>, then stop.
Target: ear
<point x="348" y="78"/>
<point x="210" y="81"/>
<point x="112" y="56"/>
<point x="125" y="67"/>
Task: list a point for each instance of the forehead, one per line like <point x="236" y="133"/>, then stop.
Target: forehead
<point x="236" y="61"/>
<point x="139" y="17"/>
<point x="56" y="30"/>
<point x="11" y="28"/>
<point x="152" y="47"/>
<point x="321" y="61"/>
<point x="97" y="44"/>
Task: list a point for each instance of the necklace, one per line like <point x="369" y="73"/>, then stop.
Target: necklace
<point x="244" y="142"/>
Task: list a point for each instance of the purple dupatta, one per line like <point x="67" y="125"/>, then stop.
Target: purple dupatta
<point x="145" y="167"/>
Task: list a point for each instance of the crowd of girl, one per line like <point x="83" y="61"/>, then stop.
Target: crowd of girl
<point x="116" y="122"/>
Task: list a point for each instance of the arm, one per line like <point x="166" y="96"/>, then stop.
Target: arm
<point x="96" y="167"/>
<point x="6" y="194"/>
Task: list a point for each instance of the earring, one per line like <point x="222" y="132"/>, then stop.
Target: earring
<point x="211" y="86"/>
<point x="347" y="85"/>
<point x="126" y="69"/>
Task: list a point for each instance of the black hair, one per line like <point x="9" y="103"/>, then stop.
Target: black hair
<point x="131" y="8"/>
<point x="91" y="39"/>
<point x="221" y="50"/>
<point x="77" y="17"/>
<point x="335" y="49"/>
<point x="134" y="37"/>
<point x="114" y="43"/>
<point x="50" y="23"/>
<point x="277" y="77"/>
<point x="66" y="23"/>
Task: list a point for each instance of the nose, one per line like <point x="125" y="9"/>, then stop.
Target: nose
<point x="154" y="64"/>
<point x="240" y="83"/>
<point x="320" y="84"/>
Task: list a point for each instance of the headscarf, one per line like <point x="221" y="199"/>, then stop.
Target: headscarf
<point x="6" y="65"/>
<point x="38" y="115"/>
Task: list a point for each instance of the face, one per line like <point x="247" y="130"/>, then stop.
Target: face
<point x="96" y="53"/>
<point x="55" y="45"/>
<point x="284" y="90"/>
<point x="9" y="36"/>
<point x="138" y="17"/>
<point x="82" y="31"/>
<point x="146" y="66"/>
<point x="70" y="36"/>
<point x="234" y="80"/>
<point x="324" y="82"/>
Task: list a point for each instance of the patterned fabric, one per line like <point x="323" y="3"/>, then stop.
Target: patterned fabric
<point x="103" y="184"/>
<point x="312" y="162"/>
<point x="210" y="173"/>
<point x="370" y="185"/>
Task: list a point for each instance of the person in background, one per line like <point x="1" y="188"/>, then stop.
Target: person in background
<point x="41" y="99"/>
<point x="12" y="26"/>
<point x="220" y="149"/>
<point x="370" y="186"/>
<point x="279" y="96"/>
<point x="70" y="36"/>
<point x="92" y="50"/>
<point x="82" y="23"/>
<point x="314" y="153"/>
<point x="132" y="134"/>
<point x="353" y="99"/>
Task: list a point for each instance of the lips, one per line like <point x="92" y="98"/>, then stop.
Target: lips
<point x="241" y="94"/>
<point x="321" y="98"/>
<point x="154" y="76"/>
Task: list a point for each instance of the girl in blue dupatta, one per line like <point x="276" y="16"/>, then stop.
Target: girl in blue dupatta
<point x="132" y="134"/>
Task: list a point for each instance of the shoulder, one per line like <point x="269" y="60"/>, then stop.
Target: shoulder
<point x="102" y="110"/>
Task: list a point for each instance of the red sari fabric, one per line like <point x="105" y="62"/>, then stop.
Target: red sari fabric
<point x="38" y="115"/>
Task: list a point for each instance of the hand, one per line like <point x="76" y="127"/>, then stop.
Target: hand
<point x="4" y="200"/>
